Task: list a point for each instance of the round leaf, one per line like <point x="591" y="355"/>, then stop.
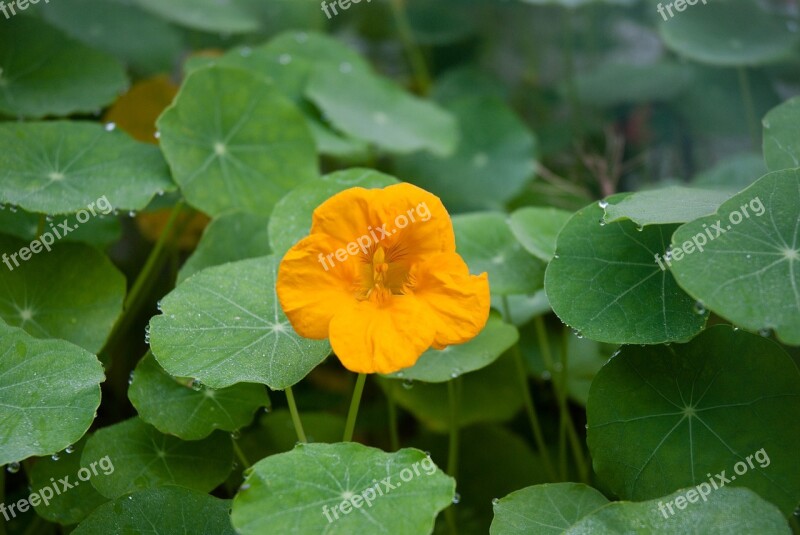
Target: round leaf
<point x="486" y="243"/>
<point x="143" y="458"/>
<point x="292" y="492"/>
<point x="493" y="162"/>
<point x="51" y="390"/>
<point x="781" y="140"/>
<point x="229" y="237"/>
<point x="72" y="292"/>
<point x="376" y="110"/>
<point x="544" y="509"/>
<point x="439" y="366"/>
<point x="291" y="219"/>
<point x="732" y="33"/>
<point x="604" y="282"/>
<point x="176" y="408"/>
<point x="225" y="326"/>
<point x="684" y="407"/>
<point x="726" y="512"/>
<point x="161" y="510"/>
<point x="675" y="204"/>
<point x="34" y="55"/>
<point x="223" y="16"/>
<point x="65" y="167"/>
<point x="750" y="272"/>
<point x="71" y="507"/>
<point x="537" y="228"/>
<point x="234" y="142"/>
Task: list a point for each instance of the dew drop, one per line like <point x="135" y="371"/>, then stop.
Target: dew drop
<point x="765" y="332"/>
<point x="13" y="209"/>
<point x="456" y="498"/>
<point x="639" y="228"/>
<point x="555" y="256"/>
<point x="110" y="127"/>
<point x="132" y="214"/>
<point x="400" y="374"/>
<point x="602" y="222"/>
<point x="267" y="410"/>
<point x="577" y="333"/>
<point x="244" y="487"/>
<point x="55" y="457"/>
<point x="157" y="135"/>
<point x="69" y="449"/>
<point x="408" y="384"/>
<point x="603" y="204"/>
<point x="12" y="468"/>
<point x="700" y="308"/>
<point x="236" y="435"/>
<point x="130" y="378"/>
<point x="495" y="501"/>
<point x="197" y="385"/>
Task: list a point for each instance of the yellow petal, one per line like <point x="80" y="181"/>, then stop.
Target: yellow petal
<point x="309" y="293"/>
<point x="401" y="217"/>
<point x="459" y="301"/>
<point x="369" y="337"/>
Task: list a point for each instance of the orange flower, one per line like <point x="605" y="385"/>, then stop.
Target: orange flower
<point x="379" y="276"/>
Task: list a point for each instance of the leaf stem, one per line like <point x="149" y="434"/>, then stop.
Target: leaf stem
<point x="298" y="425"/>
<point x="747" y="99"/>
<point x="453" y="395"/>
<point x="353" y="412"/>
<point x="416" y="59"/>
<point x="530" y="408"/>
<point x="241" y="456"/>
<point x="394" y="437"/>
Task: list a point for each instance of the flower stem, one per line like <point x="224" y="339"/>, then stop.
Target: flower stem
<point x="394" y="438"/>
<point x="528" y="399"/>
<point x="298" y="425"/>
<point x="240" y="454"/>
<point x="353" y="412"/>
<point x="747" y="99"/>
<point x="415" y="57"/>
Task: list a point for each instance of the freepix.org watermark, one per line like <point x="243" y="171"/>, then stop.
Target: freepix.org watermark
<point x="380" y="488"/>
<point x="56" y="488"/>
<point x="714" y="483"/>
<point x="48" y="238"/>
<point x="699" y="240"/>
<point x="679" y="5"/>
<point x="363" y="243"/>
<point x="15" y="5"/>
<point x="343" y="5"/>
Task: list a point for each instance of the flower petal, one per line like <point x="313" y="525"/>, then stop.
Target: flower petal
<point x="371" y="337"/>
<point x="309" y="293"/>
<point x="401" y="216"/>
<point x="459" y="301"/>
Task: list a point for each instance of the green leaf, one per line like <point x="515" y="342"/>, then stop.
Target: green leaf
<point x="734" y="173"/>
<point x="225" y="326"/>
<point x="613" y="84"/>
<point x="729" y="511"/>
<point x="291" y="219"/>
<point x="174" y="407"/>
<point x="51" y="390"/>
<point x="100" y="231"/>
<point x="486" y="243"/>
<point x="141" y="457"/>
<point x="486" y="397"/>
<point x="228" y="238"/>
<point x="522" y="308"/>
<point x="544" y="509"/>
<point x="34" y="55"/>
<point x="71" y="507"/>
<point x="750" y="272"/>
<point x="234" y="142"/>
<point x="439" y="366"/>
<point x="66" y="167"/>
<point x="732" y="33"/>
<point x="675" y="204"/>
<point x="72" y="292"/>
<point x="684" y="407"/>
<point x="494" y="160"/>
<point x="161" y="510"/>
<point x="117" y="28"/>
<point x="230" y="16"/>
<point x="376" y="110"/>
<point x="536" y="229"/>
<point x="781" y="141"/>
<point x="605" y="283"/>
<point x="292" y="492"/>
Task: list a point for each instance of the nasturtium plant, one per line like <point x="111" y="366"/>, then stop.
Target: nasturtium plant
<point x="402" y="267"/>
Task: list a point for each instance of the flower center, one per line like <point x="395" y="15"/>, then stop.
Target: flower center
<point x="384" y="275"/>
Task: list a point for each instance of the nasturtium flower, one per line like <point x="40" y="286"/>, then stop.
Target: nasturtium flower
<point x="380" y="277"/>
